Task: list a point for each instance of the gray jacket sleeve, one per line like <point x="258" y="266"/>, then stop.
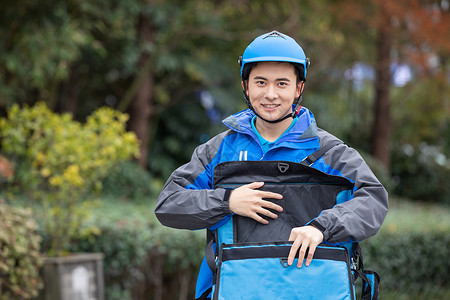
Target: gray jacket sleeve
<point x="187" y="200"/>
<point x="362" y="216"/>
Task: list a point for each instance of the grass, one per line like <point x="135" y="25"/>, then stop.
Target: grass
<point x="418" y="217"/>
<point x="116" y="209"/>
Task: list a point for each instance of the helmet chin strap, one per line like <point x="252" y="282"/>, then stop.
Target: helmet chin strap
<point x="292" y="115"/>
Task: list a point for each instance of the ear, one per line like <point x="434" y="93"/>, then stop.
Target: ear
<point x="300" y="87"/>
<point x="244" y="86"/>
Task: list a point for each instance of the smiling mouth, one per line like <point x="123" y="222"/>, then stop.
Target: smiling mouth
<point x="270" y="105"/>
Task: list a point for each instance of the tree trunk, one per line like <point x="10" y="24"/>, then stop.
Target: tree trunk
<point x="140" y="108"/>
<point x="381" y="130"/>
<point x="70" y="93"/>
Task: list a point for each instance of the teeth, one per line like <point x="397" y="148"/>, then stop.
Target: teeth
<point x="270" y="106"/>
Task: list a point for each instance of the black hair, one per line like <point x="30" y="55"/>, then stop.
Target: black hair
<point x="298" y="68"/>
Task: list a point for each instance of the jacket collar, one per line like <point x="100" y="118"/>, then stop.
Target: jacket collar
<point x="305" y="128"/>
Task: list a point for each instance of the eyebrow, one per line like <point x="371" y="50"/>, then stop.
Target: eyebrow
<point x="278" y="79"/>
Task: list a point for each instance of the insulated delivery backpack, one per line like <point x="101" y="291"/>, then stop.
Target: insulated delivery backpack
<point x="249" y="259"/>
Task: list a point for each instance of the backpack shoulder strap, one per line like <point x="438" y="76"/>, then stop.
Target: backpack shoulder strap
<point x="312" y="158"/>
<point x="210" y="255"/>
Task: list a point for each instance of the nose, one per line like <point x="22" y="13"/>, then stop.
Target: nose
<point x="271" y="92"/>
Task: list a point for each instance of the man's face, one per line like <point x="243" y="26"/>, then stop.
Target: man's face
<point x="272" y="88"/>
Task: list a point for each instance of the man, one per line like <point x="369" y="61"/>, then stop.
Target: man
<point x="275" y="127"/>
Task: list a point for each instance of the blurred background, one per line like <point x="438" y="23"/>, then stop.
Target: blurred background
<point x="101" y="100"/>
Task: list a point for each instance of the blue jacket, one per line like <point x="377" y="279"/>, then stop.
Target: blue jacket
<point x="188" y="200"/>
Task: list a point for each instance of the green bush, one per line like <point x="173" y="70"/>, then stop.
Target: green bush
<point x="19" y="254"/>
<point x="409" y="261"/>
<point x="128" y="180"/>
<point x="125" y="246"/>
<point x="64" y="162"/>
<point x="411" y="250"/>
<point x="421" y="173"/>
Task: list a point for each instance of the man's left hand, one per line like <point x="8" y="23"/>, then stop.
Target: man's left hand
<point x="305" y="238"/>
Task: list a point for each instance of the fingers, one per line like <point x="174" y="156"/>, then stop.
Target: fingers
<point x="254" y="185"/>
<point x="270" y="205"/>
<point x="262" y="194"/>
<point x="259" y="211"/>
<point x="301" y="254"/>
<point x="262" y="208"/>
<point x="244" y="198"/>
<point x="259" y="219"/>
<point x="305" y="240"/>
<point x="247" y="201"/>
<point x="268" y="213"/>
<point x="270" y="195"/>
<point x="293" y="251"/>
<point x="312" y="249"/>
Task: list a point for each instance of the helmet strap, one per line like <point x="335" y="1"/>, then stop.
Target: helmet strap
<point x="297" y="105"/>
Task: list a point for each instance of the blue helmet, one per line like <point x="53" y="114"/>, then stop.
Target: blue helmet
<point x="275" y="46"/>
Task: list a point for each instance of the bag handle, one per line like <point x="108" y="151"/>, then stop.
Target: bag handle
<point x="370" y="284"/>
<point x="370" y="279"/>
<point x="210" y="255"/>
<point x="312" y="158"/>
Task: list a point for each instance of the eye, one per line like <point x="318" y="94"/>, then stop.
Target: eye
<point x="283" y="83"/>
<point x="260" y="82"/>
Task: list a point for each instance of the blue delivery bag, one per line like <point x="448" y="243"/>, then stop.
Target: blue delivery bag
<point x="248" y="260"/>
<point x="260" y="271"/>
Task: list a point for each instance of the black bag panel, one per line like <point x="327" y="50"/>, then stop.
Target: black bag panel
<point x="301" y="203"/>
<point x="306" y="193"/>
<point x="242" y="172"/>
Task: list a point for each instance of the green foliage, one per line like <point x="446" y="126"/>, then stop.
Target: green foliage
<point x="409" y="261"/>
<point x="420" y="161"/>
<point x="343" y="110"/>
<point x="421" y="173"/>
<point x="128" y="180"/>
<point x="42" y="44"/>
<point x="65" y="161"/>
<point x="181" y="129"/>
<point x="20" y="259"/>
<point x="125" y="246"/>
<point x="411" y="250"/>
<point x="89" y="52"/>
<point x="420" y="113"/>
<point x="416" y="217"/>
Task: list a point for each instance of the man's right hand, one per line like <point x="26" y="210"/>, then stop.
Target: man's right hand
<point x="247" y="201"/>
